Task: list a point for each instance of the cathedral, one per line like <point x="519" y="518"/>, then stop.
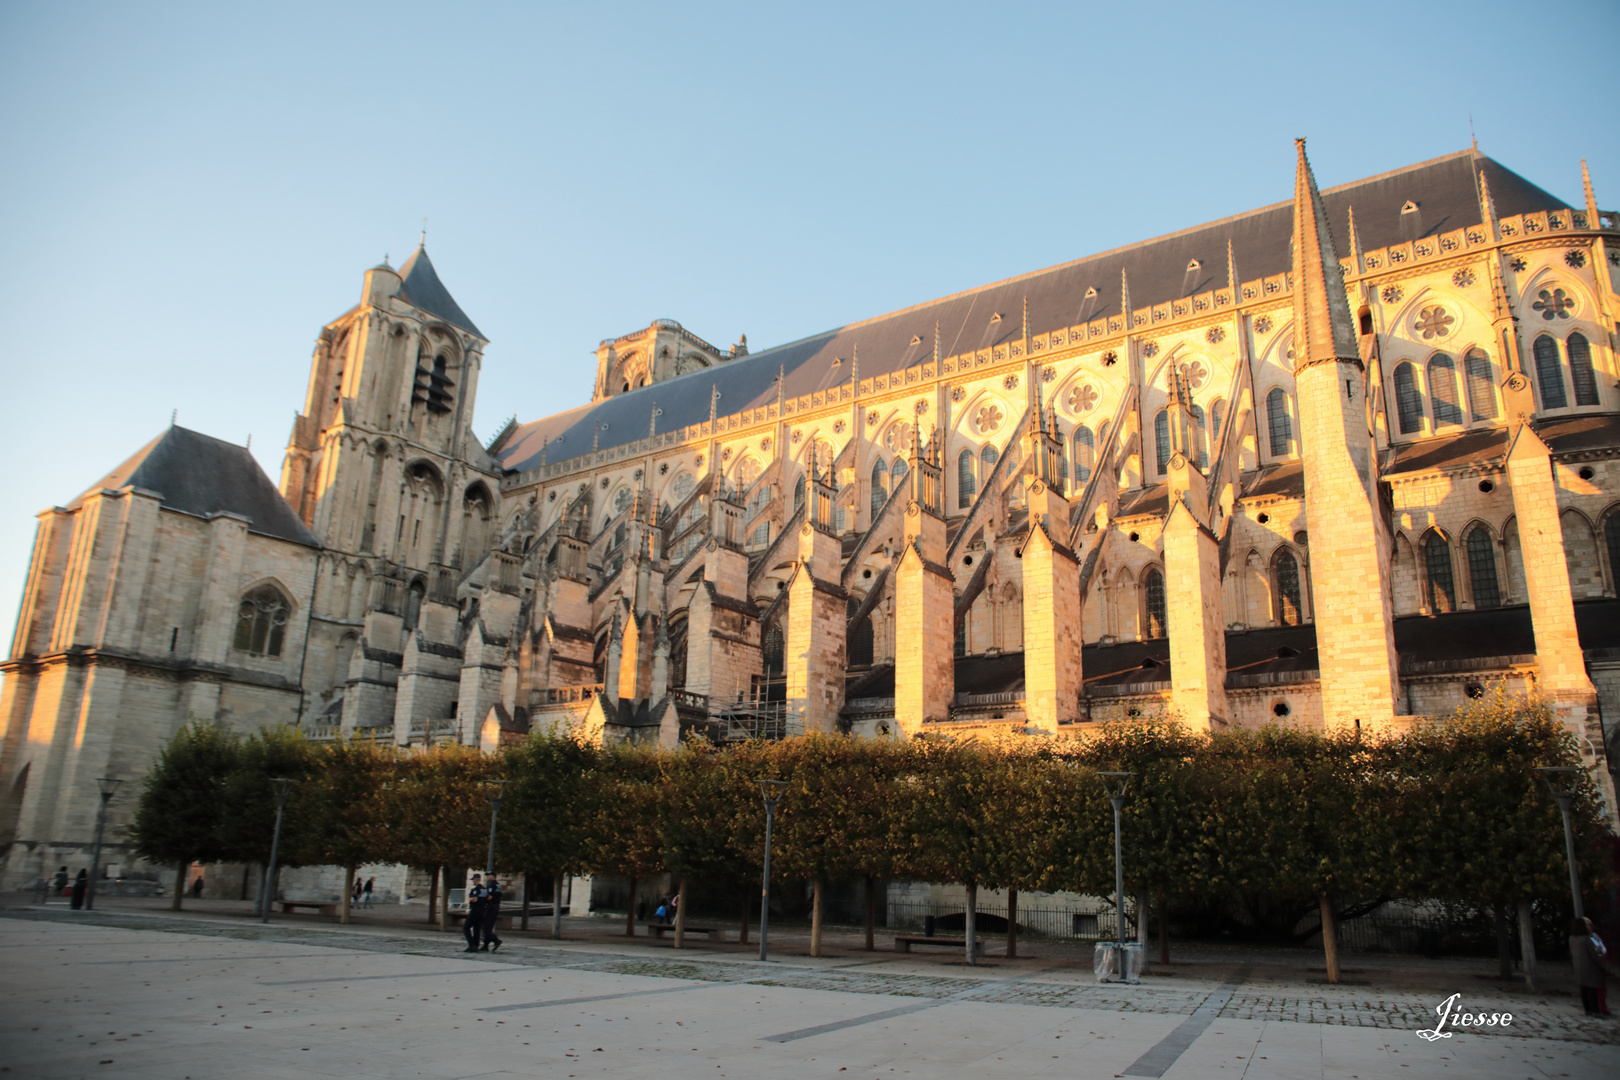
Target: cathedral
<point x="1336" y="462"/>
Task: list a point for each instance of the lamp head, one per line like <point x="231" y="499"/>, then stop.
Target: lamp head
<point x="108" y="785"/>
<point x="282" y="786"/>
<point x="1560" y="779"/>
<point x="1111" y="779"/>
<point x="493" y="789"/>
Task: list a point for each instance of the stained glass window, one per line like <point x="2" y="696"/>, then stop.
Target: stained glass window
<point x="1443" y="390"/>
<point x="1408" y="400"/>
<point x="1482" y="569"/>
<point x="1548" y="377"/>
<point x="1481" y="385"/>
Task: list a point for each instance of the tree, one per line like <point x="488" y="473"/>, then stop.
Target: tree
<point x="623" y="803"/>
<point x="183" y="804"/>
<point x="248" y="829"/>
<point x="348" y="805"/>
<point x="546" y="810"/>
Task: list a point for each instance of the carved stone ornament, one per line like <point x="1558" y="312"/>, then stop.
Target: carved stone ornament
<point x="725" y="455"/>
<point x="838" y="427"/>
<point x="1037" y="488"/>
<point x="700" y="461"/>
<point x="1110" y="358"/>
<point x="958" y="393"/>
<point x="1010" y="382"/>
<point x="871" y="416"/>
<point x="1392" y="294"/>
<point x="551" y="496"/>
<point x="663" y="470"/>
<point x="1575" y="259"/>
<point x="1082" y="399"/>
<point x="765" y="444"/>
<point x="1463" y="278"/>
<point x="1048" y="373"/>
<point x="920" y="407"/>
<point x="1215" y="335"/>
<point x="1517" y="265"/>
<point x="1517" y="382"/>
<point x="988" y="419"/>
<point x="1151" y="349"/>
<point x="1262" y="325"/>
<point x="1178" y="461"/>
<point x="604" y="483"/>
<point x="797" y="435"/>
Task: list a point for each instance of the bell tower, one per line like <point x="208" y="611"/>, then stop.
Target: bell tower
<point x="376" y="464"/>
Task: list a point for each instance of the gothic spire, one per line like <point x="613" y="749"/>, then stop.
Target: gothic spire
<point x="1355" y="243"/>
<point x="1322" y="320"/>
<point x="1125" y="298"/>
<point x="1231" y="271"/>
<point x="1591" y="200"/>
<point x="1487" y="208"/>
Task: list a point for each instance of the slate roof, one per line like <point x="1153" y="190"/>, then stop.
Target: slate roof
<point x="421" y="287"/>
<point x="199" y="474"/>
<point x="1443" y="189"/>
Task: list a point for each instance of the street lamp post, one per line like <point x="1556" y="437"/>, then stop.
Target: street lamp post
<point x="1561" y="782"/>
<point x="282" y="785"/>
<point x="1123" y="780"/>
<point x="771" y="792"/>
<point x="492" y="791"/>
<point x="107" y="785"/>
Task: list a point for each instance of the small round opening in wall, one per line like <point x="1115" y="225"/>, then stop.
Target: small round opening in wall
<point x="1486" y="486"/>
<point x="866" y="573"/>
<point x="1263" y="518"/>
<point x="1133" y="712"/>
<point x="1474" y="690"/>
<point x="1586" y="472"/>
<point x="1135" y="537"/>
<point x="1280" y="708"/>
<point x="967" y="560"/>
<point x="1018" y="553"/>
<point x="780" y="585"/>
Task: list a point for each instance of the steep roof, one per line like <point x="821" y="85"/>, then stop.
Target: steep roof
<point x="199" y="474"/>
<point x="420" y="286"/>
<point x="1444" y="191"/>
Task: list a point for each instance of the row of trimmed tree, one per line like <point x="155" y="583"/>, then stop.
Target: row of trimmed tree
<point x="1452" y="810"/>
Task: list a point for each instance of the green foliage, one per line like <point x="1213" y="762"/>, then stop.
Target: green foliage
<point x="1256" y="822"/>
<point x="183" y="805"/>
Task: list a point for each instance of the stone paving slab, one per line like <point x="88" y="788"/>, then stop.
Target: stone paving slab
<point x="205" y="998"/>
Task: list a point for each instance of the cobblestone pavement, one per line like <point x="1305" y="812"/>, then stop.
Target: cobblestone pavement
<point x="854" y="999"/>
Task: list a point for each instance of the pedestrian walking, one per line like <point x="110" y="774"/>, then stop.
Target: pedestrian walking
<point x="196" y="888"/>
<point x="60" y="883"/>
<point x="1603" y="958"/>
<point x="370" y="882"/>
<point x="472" y="921"/>
<point x="359" y="891"/>
<point x="80" y="885"/>
<point x="1589" y="973"/>
<point x="492" y="913"/>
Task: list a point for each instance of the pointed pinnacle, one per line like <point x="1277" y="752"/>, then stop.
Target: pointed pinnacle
<point x="1591" y="199"/>
<point x="1322" y="320"/>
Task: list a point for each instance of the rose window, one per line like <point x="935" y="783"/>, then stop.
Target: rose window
<point x="1553" y="304"/>
<point x="1433" y="322"/>
<point x="1082" y="399"/>
<point x="1196" y="374"/>
<point x="988" y="419"/>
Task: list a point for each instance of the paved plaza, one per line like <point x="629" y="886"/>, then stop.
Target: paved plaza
<point x="132" y="990"/>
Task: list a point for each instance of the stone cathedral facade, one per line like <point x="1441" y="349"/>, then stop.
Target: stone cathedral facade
<point x="1335" y="462"/>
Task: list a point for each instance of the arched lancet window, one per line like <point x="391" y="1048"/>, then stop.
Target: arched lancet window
<point x="1063" y="461"/>
<point x="1217" y="426"/>
<point x="1481" y="385"/>
<point x="1580" y="370"/>
<point x="1482" y="568"/>
<point x="1289" y="612"/>
<point x="1611" y="536"/>
<point x="899" y="472"/>
<point x="1200" y="435"/>
<point x="1153" y="593"/>
<point x="1282" y="434"/>
<point x="771" y="651"/>
<point x="618" y="534"/>
<point x="967" y="485"/>
<point x="413" y="604"/>
<point x="860" y="638"/>
<point x="880" y="485"/>
<point x="261" y="621"/>
<point x="798" y="492"/>
<point x="1443" y="390"/>
<point x="1442" y="590"/>
<point x="987" y="461"/>
<point x="1549" y="380"/>
<point x="1408" y="401"/>
<point x="1161" y="441"/>
<point x="961" y="636"/>
<point x="1085" y="453"/>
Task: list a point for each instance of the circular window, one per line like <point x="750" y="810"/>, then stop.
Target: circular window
<point x="1135" y="537"/>
<point x="1133" y="711"/>
<point x="866" y="573"/>
<point x="1586" y="472"/>
<point x="1280" y="708"/>
<point x="1486" y="486"/>
<point x="967" y="560"/>
<point x="1263" y="518"/>
<point x="1474" y="690"/>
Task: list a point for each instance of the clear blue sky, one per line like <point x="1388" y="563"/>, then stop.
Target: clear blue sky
<point x="188" y="192"/>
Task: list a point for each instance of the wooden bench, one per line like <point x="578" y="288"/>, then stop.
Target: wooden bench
<point x="904" y="942"/>
<point x="658" y="930"/>
<point x="288" y="906"/>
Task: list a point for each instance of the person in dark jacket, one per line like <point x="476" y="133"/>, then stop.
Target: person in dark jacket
<point x="1589" y="974"/>
<point x="60" y="882"/>
<point x="472" y="922"/>
<point x="80" y="885"/>
<point x="492" y="913"/>
<point x="197" y="888"/>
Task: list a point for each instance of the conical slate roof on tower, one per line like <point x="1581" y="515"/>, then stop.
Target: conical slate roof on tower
<point x="420" y="286"/>
<point x="1321" y="310"/>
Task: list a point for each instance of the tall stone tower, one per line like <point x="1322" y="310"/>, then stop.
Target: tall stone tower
<point x="1355" y="627"/>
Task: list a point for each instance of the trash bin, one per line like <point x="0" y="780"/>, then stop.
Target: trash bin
<point x="1116" y="962"/>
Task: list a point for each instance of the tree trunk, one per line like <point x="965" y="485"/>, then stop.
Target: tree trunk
<point x="1504" y="947"/>
<point x="1330" y="940"/>
<point x="433" y="897"/>
<point x="815" y="919"/>
<point x="871" y="913"/>
<point x="263" y="901"/>
<point x="556" y="906"/>
<point x="348" y="894"/>
<point x="179" y="884"/>
<point x="971" y="922"/>
<point x="630" y="913"/>
<point x="1527" y="947"/>
<point x="528" y="887"/>
<point x="444" y="900"/>
<point x="1012" y="924"/>
<point x="747" y="905"/>
<point x="1164" y="930"/>
<point x="680" y="916"/>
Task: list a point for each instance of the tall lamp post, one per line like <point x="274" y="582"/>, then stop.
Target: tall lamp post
<point x="108" y="786"/>
<point x="1121" y="781"/>
<point x="1561" y="782"/>
<point x="492" y="792"/>
<point x="282" y="785"/>
<point x="771" y="792"/>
